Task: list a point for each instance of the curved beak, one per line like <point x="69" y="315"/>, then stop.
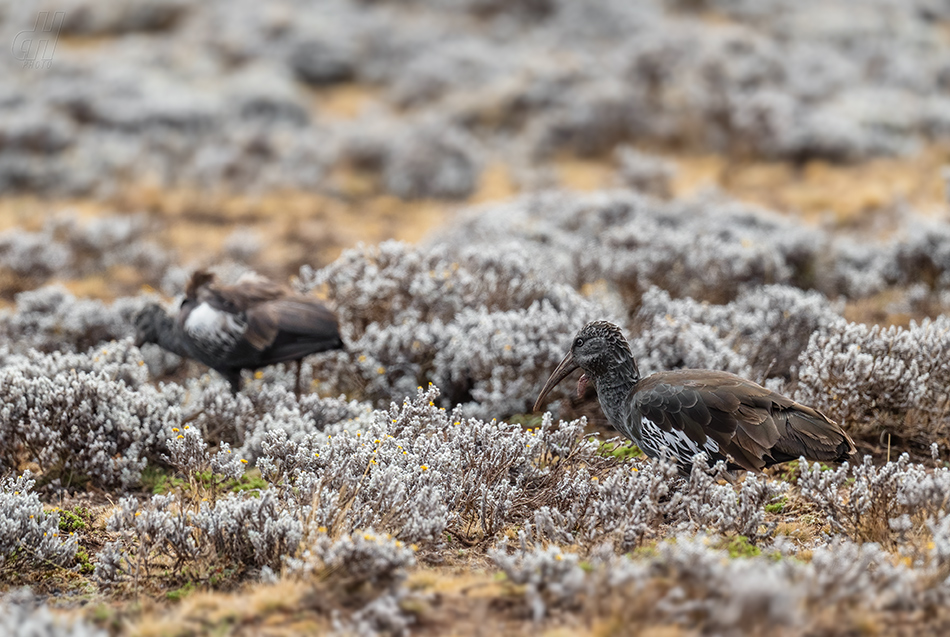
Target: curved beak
<point x="565" y="367"/>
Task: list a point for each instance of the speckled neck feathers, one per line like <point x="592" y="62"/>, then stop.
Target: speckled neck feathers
<point x="614" y="372"/>
<point x="616" y="364"/>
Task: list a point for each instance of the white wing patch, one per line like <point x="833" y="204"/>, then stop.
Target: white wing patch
<point x="676" y="440"/>
<point x="214" y="329"/>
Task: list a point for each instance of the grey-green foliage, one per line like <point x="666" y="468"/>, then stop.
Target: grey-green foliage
<point x="22" y="614"/>
<point x="868" y="376"/>
<point x="28" y="534"/>
<point x="82" y="417"/>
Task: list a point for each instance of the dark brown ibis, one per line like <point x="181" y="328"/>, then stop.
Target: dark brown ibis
<point x="248" y="325"/>
<point x="684" y="412"/>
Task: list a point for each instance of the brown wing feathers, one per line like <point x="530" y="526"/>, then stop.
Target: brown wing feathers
<point x="755" y="426"/>
<point x="268" y="308"/>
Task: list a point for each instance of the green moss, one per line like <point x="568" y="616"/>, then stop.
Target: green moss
<point x="82" y="561"/>
<point x="181" y="593"/>
<point x="621" y="451"/>
<point x="528" y="421"/>
<point x="778" y="506"/>
<point x="248" y="482"/>
<point x="72" y="521"/>
<point x="648" y="551"/>
<point x="738" y="546"/>
<point x="158" y="481"/>
<point x="102" y="614"/>
<point x="221" y="576"/>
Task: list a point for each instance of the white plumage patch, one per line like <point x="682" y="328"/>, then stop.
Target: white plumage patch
<point x="215" y="330"/>
<point x="681" y="445"/>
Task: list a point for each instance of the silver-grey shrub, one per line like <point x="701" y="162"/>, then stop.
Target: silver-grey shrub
<point x="868" y="377"/>
<point x="417" y="471"/>
<point x="86" y="416"/>
<point x="168" y="531"/>
<point x="23" y="615"/>
<point x="357" y="558"/>
<point x="690" y="583"/>
<point x="244" y="420"/>
<point x="28" y="534"/>
<point x="484" y="324"/>
<point x="634" y="503"/>
<point x="765" y="328"/>
<point x="67" y="248"/>
<point x="51" y="319"/>
<point x="877" y="503"/>
<point x="550" y="576"/>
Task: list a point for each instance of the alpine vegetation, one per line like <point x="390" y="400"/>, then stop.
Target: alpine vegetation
<point x="24" y="615"/>
<point x="84" y="417"/>
<point x="28" y="533"/>
<point x="871" y="376"/>
<point x="610" y="165"/>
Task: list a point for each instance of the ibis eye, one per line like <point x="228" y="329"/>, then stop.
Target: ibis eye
<point x="578" y="342"/>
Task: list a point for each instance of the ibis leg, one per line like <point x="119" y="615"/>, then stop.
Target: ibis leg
<point x="297" y="382"/>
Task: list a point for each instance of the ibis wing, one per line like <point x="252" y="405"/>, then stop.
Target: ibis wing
<point x="249" y="290"/>
<point x="755" y="426"/>
<point x="293" y="325"/>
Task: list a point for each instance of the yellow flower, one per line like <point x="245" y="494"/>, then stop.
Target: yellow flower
<point x="179" y="436"/>
<point x="362" y="358"/>
<point x="559" y="557"/>
<point x="414" y="547"/>
<point x="424" y="467"/>
<point x="595" y="479"/>
<point x="322" y="529"/>
<point x="138" y="513"/>
<point x="258" y="375"/>
<point x="369" y="536"/>
<point x="380" y="370"/>
<point x="243" y="461"/>
<point x="316" y="455"/>
<point x="175" y="429"/>
<point x="186" y="426"/>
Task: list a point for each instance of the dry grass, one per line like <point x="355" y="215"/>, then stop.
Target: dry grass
<point x="305" y="227"/>
<point x="848" y="195"/>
